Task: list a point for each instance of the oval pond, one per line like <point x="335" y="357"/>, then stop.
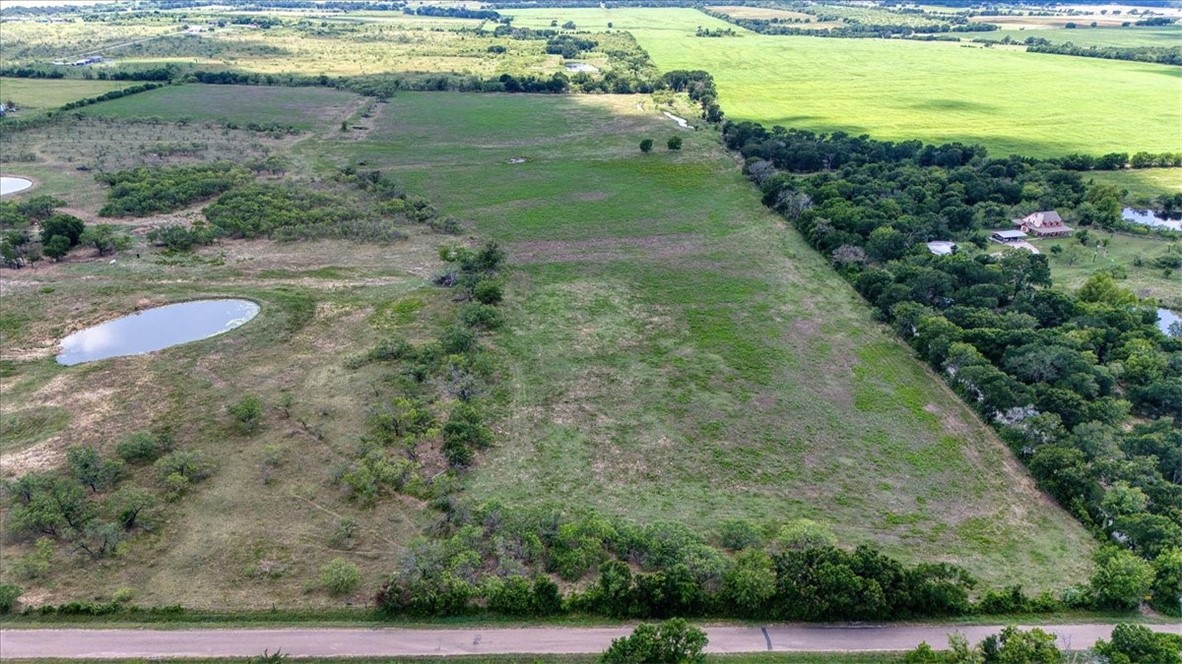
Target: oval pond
<point x="11" y="185"/>
<point x="155" y="329"/>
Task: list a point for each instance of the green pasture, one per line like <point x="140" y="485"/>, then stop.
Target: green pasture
<point x="1131" y="36"/>
<point x="675" y="353"/>
<point x="1008" y="100"/>
<point x="1142" y="184"/>
<point x="34" y="94"/>
<point x="304" y="108"/>
<point x="1076" y="262"/>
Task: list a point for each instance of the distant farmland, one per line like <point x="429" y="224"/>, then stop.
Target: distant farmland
<point x="1007" y="100"/>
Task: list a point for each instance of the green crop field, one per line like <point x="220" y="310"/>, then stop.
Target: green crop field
<point x="1010" y="101"/>
<point x="1161" y="36"/>
<point x="675" y="354"/>
<point x="31" y="94"/>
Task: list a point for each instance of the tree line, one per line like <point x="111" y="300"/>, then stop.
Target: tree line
<point x="1083" y="386"/>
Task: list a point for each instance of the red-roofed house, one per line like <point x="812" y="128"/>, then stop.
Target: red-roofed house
<point x="1043" y="224"/>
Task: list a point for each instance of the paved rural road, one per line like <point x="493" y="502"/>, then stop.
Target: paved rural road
<point x="122" y="643"/>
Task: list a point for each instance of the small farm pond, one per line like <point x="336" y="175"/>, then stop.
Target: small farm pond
<point x="1166" y="318"/>
<point x="155" y="329"/>
<point x="11" y="185"/>
<point x="1150" y="218"/>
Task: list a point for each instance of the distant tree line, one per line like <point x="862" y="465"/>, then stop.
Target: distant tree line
<point x="850" y="28"/>
<point x="453" y="12"/>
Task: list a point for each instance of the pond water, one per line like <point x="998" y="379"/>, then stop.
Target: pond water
<point x="154" y="329"/>
<point x="1150" y="218"/>
<point x="1166" y="318"/>
<point x="581" y="66"/>
<point x="11" y="185"/>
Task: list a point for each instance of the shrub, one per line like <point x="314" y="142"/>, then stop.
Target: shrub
<point x="9" y="594"/>
<point x="1137" y="644"/>
<point x="671" y="642"/>
<point x="457" y="340"/>
<point x="340" y="577"/>
<point x="147" y="190"/>
<point x="674" y="143"/>
<point x="805" y="534"/>
<point x="483" y="316"/>
<point x="738" y="534"/>
<point x="646" y="145"/>
<point x="143" y="447"/>
<point x="191" y="466"/>
<point x="248" y="414"/>
<point x="1122" y="578"/>
<point x="487" y="291"/>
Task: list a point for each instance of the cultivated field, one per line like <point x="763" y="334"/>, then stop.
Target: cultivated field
<point x="895" y="89"/>
<point x="675" y="353"/>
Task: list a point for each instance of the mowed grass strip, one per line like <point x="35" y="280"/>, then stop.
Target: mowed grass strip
<point x="676" y="352"/>
<point x="1008" y="100"/>
<point x="33" y="94"/>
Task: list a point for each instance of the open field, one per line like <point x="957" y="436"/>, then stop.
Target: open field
<point x="31" y="95"/>
<point x="1142" y="184"/>
<point x="682" y="356"/>
<point x="1070" y="268"/>
<point x="896" y="89"/>
<point x="1162" y="37"/>
<point x="304" y="108"/>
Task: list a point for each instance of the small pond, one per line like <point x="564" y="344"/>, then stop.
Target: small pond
<point x="581" y="66"/>
<point x="154" y="329"/>
<point x="1166" y="318"/>
<point x="11" y="185"/>
<point x="1150" y="218"/>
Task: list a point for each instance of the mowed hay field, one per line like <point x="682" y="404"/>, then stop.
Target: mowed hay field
<point x="675" y="352"/>
<point x="31" y="94"/>
<point x="1008" y="100"/>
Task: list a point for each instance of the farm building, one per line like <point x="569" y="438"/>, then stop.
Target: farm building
<point x="942" y="248"/>
<point x="1043" y="224"/>
<point x="1008" y="237"/>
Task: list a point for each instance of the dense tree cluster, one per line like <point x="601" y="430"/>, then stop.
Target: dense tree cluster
<point x="569" y="46"/>
<point x="57" y="233"/>
<point x="500" y="560"/>
<point x="453" y="12"/>
<point x="147" y="190"/>
<point x="1058" y="374"/>
<point x="850" y="27"/>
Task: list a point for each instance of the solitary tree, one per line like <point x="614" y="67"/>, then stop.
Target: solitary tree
<point x="672" y="642"/>
<point x="674" y="143"/>
<point x="57" y="247"/>
<point x="646" y="145"/>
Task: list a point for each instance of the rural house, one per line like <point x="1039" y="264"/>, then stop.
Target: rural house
<point x="1043" y="224"/>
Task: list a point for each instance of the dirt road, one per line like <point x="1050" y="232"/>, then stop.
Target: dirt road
<point x="124" y="643"/>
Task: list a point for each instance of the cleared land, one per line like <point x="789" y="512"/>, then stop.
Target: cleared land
<point x="303" y="108"/>
<point x="1143" y="184"/>
<point x="31" y="95"/>
<point x="897" y="89"/>
<point x="1076" y="263"/>
<point x="676" y="353"/>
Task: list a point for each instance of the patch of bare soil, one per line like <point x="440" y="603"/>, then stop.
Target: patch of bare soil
<point x="602" y="250"/>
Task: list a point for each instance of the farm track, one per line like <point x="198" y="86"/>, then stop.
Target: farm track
<point x="126" y="643"/>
